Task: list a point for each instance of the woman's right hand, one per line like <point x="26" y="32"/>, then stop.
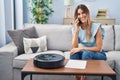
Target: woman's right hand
<point x="74" y="50"/>
<point x="76" y="21"/>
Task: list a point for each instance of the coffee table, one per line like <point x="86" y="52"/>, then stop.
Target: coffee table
<point x="93" y="67"/>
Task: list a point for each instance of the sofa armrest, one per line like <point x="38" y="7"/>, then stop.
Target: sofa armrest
<point x="9" y="48"/>
<point x="67" y="55"/>
<point x="7" y="53"/>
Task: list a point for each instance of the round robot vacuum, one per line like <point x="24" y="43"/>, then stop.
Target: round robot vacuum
<point x="49" y="61"/>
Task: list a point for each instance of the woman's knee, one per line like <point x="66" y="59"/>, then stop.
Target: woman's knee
<point x="86" y="55"/>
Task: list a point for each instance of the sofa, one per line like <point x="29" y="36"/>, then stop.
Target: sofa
<point x="59" y="38"/>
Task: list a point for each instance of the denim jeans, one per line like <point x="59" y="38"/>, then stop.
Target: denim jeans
<point x="89" y="55"/>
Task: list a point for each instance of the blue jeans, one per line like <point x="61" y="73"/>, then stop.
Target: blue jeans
<point x="89" y="55"/>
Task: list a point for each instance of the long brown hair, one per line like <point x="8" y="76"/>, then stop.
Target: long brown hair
<point x="86" y="11"/>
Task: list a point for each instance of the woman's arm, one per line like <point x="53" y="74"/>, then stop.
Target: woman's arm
<point x="76" y="33"/>
<point x="98" y="46"/>
<point x="75" y="40"/>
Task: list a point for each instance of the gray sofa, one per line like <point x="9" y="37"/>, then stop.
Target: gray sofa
<point x="59" y="38"/>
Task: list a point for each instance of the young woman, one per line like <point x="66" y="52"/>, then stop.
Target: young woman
<point x="87" y="38"/>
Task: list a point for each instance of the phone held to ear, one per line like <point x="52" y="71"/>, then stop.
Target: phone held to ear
<point x="78" y="21"/>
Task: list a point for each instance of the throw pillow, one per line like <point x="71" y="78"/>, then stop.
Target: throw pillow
<point x="35" y="45"/>
<point x="17" y="37"/>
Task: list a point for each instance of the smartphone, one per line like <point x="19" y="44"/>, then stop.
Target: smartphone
<point x="78" y="20"/>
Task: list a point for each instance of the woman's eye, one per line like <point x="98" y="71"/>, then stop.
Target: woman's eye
<point x="83" y="13"/>
<point x="78" y="13"/>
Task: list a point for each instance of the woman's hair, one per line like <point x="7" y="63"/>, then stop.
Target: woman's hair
<point x="86" y="11"/>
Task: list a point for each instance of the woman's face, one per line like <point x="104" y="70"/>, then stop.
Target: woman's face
<point x="82" y="16"/>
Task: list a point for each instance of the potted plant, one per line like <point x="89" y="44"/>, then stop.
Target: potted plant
<point x="41" y="10"/>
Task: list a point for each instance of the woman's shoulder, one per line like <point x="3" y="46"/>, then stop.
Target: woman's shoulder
<point x="94" y="28"/>
<point x="94" y="24"/>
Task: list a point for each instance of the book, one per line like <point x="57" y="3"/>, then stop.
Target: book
<point x="102" y="13"/>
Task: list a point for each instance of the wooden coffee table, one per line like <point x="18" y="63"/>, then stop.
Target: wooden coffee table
<point x="93" y="67"/>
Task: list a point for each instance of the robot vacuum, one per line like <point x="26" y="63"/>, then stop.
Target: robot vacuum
<point x="49" y="61"/>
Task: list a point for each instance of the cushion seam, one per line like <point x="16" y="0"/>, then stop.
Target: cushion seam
<point x="114" y="36"/>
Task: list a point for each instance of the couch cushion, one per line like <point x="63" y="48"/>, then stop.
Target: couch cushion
<point x="21" y="60"/>
<point x="17" y="37"/>
<point x="117" y="37"/>
<point x="59" y="36"/>
<point x="67" y="54"/>
<point x="117" y="69"/>
<point x="35" y="45"/>
<point x="108" y="41"/>
<point x="112" y="56"/>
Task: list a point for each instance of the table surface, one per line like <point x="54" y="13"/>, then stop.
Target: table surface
<point x="93" y="67"/>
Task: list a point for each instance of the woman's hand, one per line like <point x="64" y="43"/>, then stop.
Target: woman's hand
<point x="76" y="21"/>
<point x="74" y="50"/>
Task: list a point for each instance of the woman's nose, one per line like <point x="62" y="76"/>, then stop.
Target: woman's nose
<point x="81" y="16"/>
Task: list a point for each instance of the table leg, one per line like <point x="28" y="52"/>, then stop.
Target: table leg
<point x="25" y="74"/>
<point x="102" y="77"/>
<point x="30" y="76"/>
<point x="113" y="77"/>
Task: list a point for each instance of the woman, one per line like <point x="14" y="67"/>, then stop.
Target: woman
<point x="87" y="38"/>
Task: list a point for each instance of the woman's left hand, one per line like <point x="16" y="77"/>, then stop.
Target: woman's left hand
<point x="74" y="50"/>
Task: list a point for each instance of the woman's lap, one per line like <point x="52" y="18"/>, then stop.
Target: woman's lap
<point x="89" y="55"/>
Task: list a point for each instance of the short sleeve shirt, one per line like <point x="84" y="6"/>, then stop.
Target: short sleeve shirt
<point x="82" y="41"/>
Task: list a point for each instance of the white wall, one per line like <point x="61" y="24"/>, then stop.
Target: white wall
<point x="6" y="21"/>
<point x="19" y="14"/>
<point x="2" y="24"/>
<point x="59" y="9"/>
